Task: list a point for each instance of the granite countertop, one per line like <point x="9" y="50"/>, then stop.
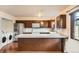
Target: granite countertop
<point x="38" y="35"/>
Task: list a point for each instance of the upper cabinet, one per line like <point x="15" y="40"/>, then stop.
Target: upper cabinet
<point x="27" y="24"/>
<point x="61" y="21"/>
<point x="42" y="23"/>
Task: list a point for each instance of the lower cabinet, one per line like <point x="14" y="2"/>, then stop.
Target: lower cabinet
<point x="37" y="44"/>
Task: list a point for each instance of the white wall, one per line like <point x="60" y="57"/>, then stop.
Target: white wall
<point x="5" y="15"/>
<point x="0" y="24"/>
<point x="67" y="30"/>
<point x="11" y="20"/>
<point x="7" y="25"/>
<point x="71" y="46"/>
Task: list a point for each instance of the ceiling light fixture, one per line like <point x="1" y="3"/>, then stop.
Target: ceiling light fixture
<point x="40" y="13"/>
<point x="42" y="23"/>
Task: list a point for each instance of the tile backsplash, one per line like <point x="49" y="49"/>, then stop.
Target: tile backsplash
<point x="36" y="30"/>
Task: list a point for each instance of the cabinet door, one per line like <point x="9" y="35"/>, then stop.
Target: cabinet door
<point x="49" y="24"/>
<point x="44" y="24"/>
<point x="61" y="21"/>
<point x="39" y="44"/>
<point x="28" y="24"/>
<point x="58" y="22"/>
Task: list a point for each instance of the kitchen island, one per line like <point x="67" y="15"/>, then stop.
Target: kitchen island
<point x="41" y="42"/>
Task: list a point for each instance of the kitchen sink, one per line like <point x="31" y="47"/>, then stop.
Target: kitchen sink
<point x="44" y="32"/>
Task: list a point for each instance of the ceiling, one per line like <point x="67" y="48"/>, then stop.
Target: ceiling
<point x="32" y="10"/>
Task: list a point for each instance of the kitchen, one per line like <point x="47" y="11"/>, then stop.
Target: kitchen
<point x="37" y="30"/>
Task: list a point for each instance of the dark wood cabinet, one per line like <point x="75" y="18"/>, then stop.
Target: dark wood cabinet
<point x="61" y="21"/>
<point x="49" y="24"/>
<point x="39" y="44"/>
<point x="43" y="23"/>
<point x="27" y="24"/>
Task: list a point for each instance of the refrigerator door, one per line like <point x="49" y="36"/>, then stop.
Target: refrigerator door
<point x="20" y="28"/>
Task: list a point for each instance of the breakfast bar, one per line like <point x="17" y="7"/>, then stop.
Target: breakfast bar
<point x="41" y="42"/>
